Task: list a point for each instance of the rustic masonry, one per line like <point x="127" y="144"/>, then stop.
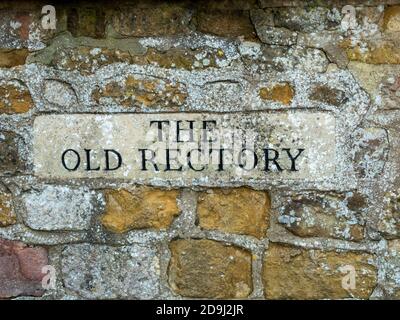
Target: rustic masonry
<point x="200" y="149"/>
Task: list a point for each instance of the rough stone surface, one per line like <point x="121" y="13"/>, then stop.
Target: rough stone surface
<point x="328" y="95"/>
<point x="188" y="59"/>
<point x="282" y="93"/>
<point x="75" y="58"/>
<point x="15" y="97"/>
<point x="310" y="19"/>
<point x="389" y="217"/>
<point x="295" y="273"/>
<point x="7" y="214"/>
<point x="391" y="19"/>
<point x="205" y="268"/>
<point x="321" y="215"/>
<point x="106" y="272"/>
<point x="59" y="93"/>
<point x="12" y="58"/>
<point x="370" y="152"/>
<point x="383" y="52"/>
<point x="165" y="19"/>
<point x="88" y="21"/>
<point x="21" y="29"/>
<point x="390" y="91"/>
<point x="138" y="209"/>
<point x="10" y="161"/>
<point x="142" y="93"/>
<point x="242" y="211"/>
<point x="294" y="74"/>
<point x="228" y="23"/>
<point x="392" y="274"/>
<point x="58" y="208"/>
<point x="21" y="269"/>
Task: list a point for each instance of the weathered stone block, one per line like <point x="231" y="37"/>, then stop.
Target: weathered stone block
<point x="391" y="283"/>
<point x="86" y="21"/>
<point x="177" y="58"/>
<point x="140" y="208"/>
<point x="390" y="90"/>
<point x="209" y="269"/>
<point x="22" y="29"/>
<point x="276" y="36"/>
<point x="59" y="141"/>
<point x="380" y="52"/>
<point x="389" y="217"/>
<point x="391" y="19"/>
<point x="21" y="269"/>
<point x="295" y="273"/>
<point x="380" y="81"/>
<point x="12" y="58"/>
<point x="282" y="92"/>
<point x="241" y="210"/>
<point x="142" y="93"/>
<point x="226" y="23"/>
<point x="164" y="19"/>
<point x="7" y="214"/>
<point x="331" y="96"/>
<point x="309" y="19"/>
<point x="370" y="152"/>
<point x="14" y="97"/>
<point x="10" y="161"/>
<point x="87" y="60"/>
<point x="58" y="208"/>
<point x="107" y="272"/>
<point x="321" y="215"/>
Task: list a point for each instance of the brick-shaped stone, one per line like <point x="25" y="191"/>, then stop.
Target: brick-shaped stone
<point x="331" y="96"/>
<point x="58" y="208"/>
<point x="296" y="273"/>
<point x="140" y="208"/>
<point x="209" y="269"/>
<point x="142" y="93"/>
<point x="14" y="97"/>
<point x="281" y="92"/>
<point x="308" y="137"/>
<point x="11" y="58"/>
<point x="21" y="269"/>
<point x="241" y="210"/>
<point x="86" y="60"/>
<point x="322" y="215"/>
<point x="225" y="23"/>
<point x="107" y="272"/>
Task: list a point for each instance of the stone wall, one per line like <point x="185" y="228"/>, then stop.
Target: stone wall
<point x="228" y="237"/>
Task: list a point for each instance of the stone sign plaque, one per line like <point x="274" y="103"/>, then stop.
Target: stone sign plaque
<point x="187" y="148"/>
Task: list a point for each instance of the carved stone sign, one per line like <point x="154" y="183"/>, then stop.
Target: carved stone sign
<point x="187" y="148"/>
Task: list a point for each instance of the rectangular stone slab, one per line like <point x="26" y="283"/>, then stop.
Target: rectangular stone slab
<point x="187" y="148"/>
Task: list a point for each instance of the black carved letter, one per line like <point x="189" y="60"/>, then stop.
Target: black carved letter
<point x="107" y="151"/>
<point x="268" y="159"/>
<point x="78" y="159"/>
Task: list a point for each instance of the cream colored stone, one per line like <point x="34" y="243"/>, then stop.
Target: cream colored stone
<point x="55" y="135"/>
